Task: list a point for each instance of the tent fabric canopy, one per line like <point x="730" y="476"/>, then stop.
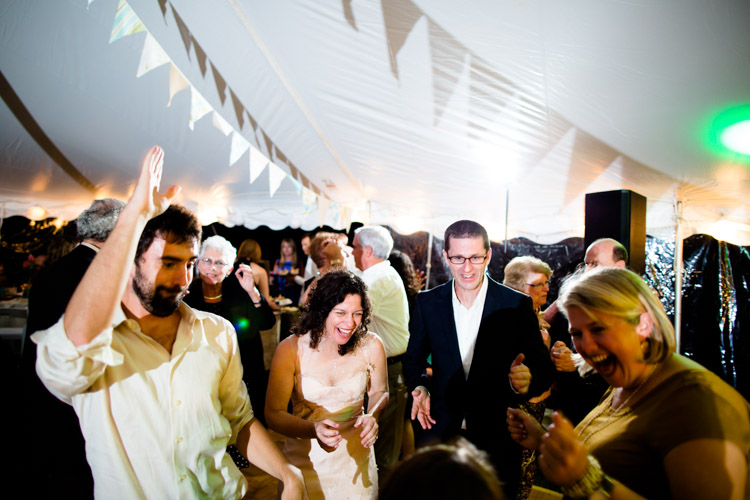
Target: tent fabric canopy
<point x="407" y="113"/>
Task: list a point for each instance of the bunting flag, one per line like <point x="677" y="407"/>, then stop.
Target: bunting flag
<point x="258" y="162"/>
<point x="126" y="22"/>
<point x="152" y="56"/>
<point x="200" y="54"/>
<point x="238" y="109"/>
<point x="221" y="84"/>
<point x="239" y="146"/>
<point x="308" y="200"/>
<point x="199" y="107"/>
<point x="399" y="17"/>
<point x="177" y="82"/>
<point x="323" y="204"/>
<point x="297" y="185"/>
<point x="187" y="38"/>
<point x="448" y="65"/>
<point x="221" y="124"/>
<point x="275" y="177"/>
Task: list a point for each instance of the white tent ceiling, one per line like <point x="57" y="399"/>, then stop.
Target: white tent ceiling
<point x="408" y="113"/>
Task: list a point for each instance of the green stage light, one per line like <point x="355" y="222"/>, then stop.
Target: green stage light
<point x="729" y="134"/>
<point x="737" y="137"/>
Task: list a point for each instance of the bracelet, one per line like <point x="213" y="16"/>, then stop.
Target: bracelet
<point x="590" y="483"/>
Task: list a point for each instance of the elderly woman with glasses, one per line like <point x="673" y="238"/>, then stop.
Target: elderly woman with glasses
<point x="231" y="293"/>
<point x="531" y="276"/>
<point x="666" y="428"/>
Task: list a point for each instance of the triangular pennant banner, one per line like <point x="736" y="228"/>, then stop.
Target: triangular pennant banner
<point x="221" y="124"/>
<point x="221" y="84"/>
<point x="448" y="61"/>
<point x="308" y="200"/>
<point x="258" y="162"/>
<point x="199" y="107"/>
<point x="177" y="82"/>
<point x="275" y="176"/>
<point x="252" y="121"/>
<point x="297" y="185"/>
<point x="200" y="54"/>
<point x="239" y="146"/>
<point x="238" y="109"/>
<point x="269" y="144"/>
<point x="323" y="204"/>
<point x="163" y="7"/>
<point x="187" y="39"/>
<point x="152" y="56"/>
<point x="399" y="17"/>
<point x="126" y="22"/>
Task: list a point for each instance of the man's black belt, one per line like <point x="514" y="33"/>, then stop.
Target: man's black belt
<point x="395" y="359"/>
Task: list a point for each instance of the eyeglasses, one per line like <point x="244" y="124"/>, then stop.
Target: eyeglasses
<point x="474" y="259"/>
<point x="539" y="285"/>
<point x="212" y="263"/>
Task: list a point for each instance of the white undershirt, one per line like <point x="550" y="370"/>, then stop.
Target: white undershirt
<point x="467" y="323"/>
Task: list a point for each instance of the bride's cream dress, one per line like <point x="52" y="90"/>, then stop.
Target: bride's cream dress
<point x="335" y="391"/>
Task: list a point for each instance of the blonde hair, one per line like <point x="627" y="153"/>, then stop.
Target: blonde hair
<point x="621" y="293"/>
<point x="518" y="269"/>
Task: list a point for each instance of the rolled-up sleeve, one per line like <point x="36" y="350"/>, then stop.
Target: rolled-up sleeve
<point x="67" y="369"/>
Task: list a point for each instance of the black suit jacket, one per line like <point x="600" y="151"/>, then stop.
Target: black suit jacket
<point x="509" y="327"/>
<point x="55" y="448"/>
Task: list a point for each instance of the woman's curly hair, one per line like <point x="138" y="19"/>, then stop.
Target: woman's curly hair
<point x="330" y="291"/>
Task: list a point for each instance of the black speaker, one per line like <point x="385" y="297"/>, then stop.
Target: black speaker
<point x="620" y="215"/>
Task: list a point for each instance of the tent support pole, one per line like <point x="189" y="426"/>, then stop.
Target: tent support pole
<point x="428" y="265"/>
<point x="505" y="242"/>
<point x="678" y="271"/>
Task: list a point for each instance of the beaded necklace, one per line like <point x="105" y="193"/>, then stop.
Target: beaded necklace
<point x="609" y="418"/>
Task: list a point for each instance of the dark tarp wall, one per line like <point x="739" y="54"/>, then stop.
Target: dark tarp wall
<point x="716" y="284"/>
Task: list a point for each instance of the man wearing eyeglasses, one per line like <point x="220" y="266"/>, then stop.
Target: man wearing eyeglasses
<point x="486" y="351"/>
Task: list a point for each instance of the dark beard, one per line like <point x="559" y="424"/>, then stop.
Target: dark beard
<point x="160" y="301"/>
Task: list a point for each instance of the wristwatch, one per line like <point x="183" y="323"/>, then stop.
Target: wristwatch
<point x="606" y="487"/>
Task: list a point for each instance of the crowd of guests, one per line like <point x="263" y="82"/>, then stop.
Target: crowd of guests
<point x="471" y="389"/>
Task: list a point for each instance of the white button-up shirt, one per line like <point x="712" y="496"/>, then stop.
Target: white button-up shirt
<point x="467" y="323"/>
<point x="390" y="307"/>
<point x="156" y="424"/>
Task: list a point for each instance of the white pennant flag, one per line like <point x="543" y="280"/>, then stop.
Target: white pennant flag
<point x="275" y="176"/>
<point x="239" y="146"/>
<point x="323" y="204"/>
<point x="152" y="56"/>
<point x="126" y="22"/>
<point x="221" y="124"/>
<point x="177" y="82"/>
<point x="308" y="199"/>
<point x="199" y="107"/>
<point x="258" y="162"/>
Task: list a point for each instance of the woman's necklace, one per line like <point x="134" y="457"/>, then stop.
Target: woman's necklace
<point x="610" y="419"/>
<point x="212" y="298"/>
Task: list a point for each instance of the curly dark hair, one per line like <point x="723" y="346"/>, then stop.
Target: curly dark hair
<point x="330" y="291"/>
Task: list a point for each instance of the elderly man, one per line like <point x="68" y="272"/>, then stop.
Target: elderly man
<point x="156" y="385"/>
<point x="65" y="468"/>
<point x="606" y="252"/>
<point x="390" y="319"/>
<point x="578" y="387"/>
<point x="478" y="332"/>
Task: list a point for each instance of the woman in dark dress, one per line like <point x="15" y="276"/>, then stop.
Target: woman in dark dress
<point x="231" y="293"/>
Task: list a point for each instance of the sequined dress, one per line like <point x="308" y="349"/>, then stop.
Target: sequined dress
<point x="349" y="471"/>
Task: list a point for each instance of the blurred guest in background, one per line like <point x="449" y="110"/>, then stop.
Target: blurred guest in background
<point x="64" y="467"/>
<point x="444" y="472"/>
<point x="231" y="293"/>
